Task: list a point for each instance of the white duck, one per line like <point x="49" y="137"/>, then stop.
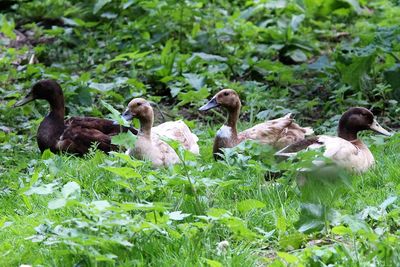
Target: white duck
<point x="277" y="133"/>
<point x="346" y="150"/>
<point x="149" y="145"/>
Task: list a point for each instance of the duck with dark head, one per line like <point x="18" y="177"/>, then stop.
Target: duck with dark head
<point x="277" y="133"/>
<point x="74" y="135"/>
<point x="346" y="149"/>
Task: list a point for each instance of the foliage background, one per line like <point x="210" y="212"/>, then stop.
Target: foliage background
<point x="314" y="58"/>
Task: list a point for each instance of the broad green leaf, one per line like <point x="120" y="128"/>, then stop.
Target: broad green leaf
<point x="356" y="224"/>
<point x="297" y="55"/>
<point x="101" y="204"/>
<point x="70" y="188"/>
<point x="218" y="213"/>
<point x="314" y="217"/>
<point x="110" y="108"/>
<point x="213" y="263"/>
<point x="321" y="63"/>
<point x="115" y="115"/>
<point x="249" y="204"/>
<point x="57" y="203"/>
<point x="103" y="87"/>
<point x="109" y="15"/>
<point x="275" y="4"/>
<point x="195" y="80"/>
<point x="178" y="215"/>
<point x="124" y="172"/>
<point x="99" y="5"/>
<point x="47" y="154"/>
<point x="83" y="96"/>
<point x="239" y="228"/>
<point x="341" y="230"/>
<point x="45" y="189"/>
<point x="292" y="240"/>
<point x="359" y="68"/>
<point x="193" y="96"/>
<point x="277" y="263"/>
<point x="289" y="258"/>
<point x="127" y="139"/>
<point x="128" y="4"/>
<point x="207" y="57"/>
<point x="296" y="20"/>
<point x="389" y="201"/>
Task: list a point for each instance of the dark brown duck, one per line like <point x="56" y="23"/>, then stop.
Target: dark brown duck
<point x="74" y="135"/>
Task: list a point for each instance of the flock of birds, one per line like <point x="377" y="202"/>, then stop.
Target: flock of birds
<point x="77" y="134"/>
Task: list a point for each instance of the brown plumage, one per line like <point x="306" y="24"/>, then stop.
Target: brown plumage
<point x="74" y="135"/>
<point x="277" y="133"/>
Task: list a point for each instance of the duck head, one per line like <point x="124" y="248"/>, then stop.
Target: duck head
<point x="138" y="108"/>
<point x="358" y="119"/>
<point x="226" y="98"/>
<point x="48" y="90"/>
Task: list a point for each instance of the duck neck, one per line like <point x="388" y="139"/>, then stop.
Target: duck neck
<point x="145" y="127"/>
<point x="57" y="108"/>
<point x="233" y="116"/>
<point x="346" y="133"/>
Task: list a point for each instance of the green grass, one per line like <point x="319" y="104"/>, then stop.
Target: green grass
<point x="233" y="202"/>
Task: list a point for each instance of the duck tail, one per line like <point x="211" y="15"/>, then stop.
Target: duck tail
<point x="308" y="131"/>
<point x="289" y="115"/>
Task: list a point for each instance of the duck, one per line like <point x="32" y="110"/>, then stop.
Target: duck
<point x="179" y="131"/>
<point x="73" y="135"/>
<point x="346" y="150"/>
<point x="149" y="145"/>
<point x="278" y="133"/>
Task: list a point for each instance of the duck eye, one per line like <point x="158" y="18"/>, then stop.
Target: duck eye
<point x="226" y="94"/>
<point x="139" y="104"/>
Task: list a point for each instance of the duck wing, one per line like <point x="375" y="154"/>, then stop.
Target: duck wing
<point x="179" y="131"/>
<point x="293" y="149"/>
<point x="78" y="140"/>
<point x="353" y="156"/>
<point x="278" y="132"/>
<point x="162" y="154"/>
<point x="82" y="132"/>
<point x="105" y="126"/>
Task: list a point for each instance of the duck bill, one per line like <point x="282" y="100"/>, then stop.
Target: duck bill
<point x="127" y="115"/>
<point x="379" y="129"/>
<point x="23" y="101"/>
<point x="211" y="104"/>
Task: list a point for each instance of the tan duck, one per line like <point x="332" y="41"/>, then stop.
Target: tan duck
<point x="179" y="131"/>
<point x="74" y="135"/>
<point x="277" y="133"/>
<point x="346" y="149"/>
<point x="149" y="145"/>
